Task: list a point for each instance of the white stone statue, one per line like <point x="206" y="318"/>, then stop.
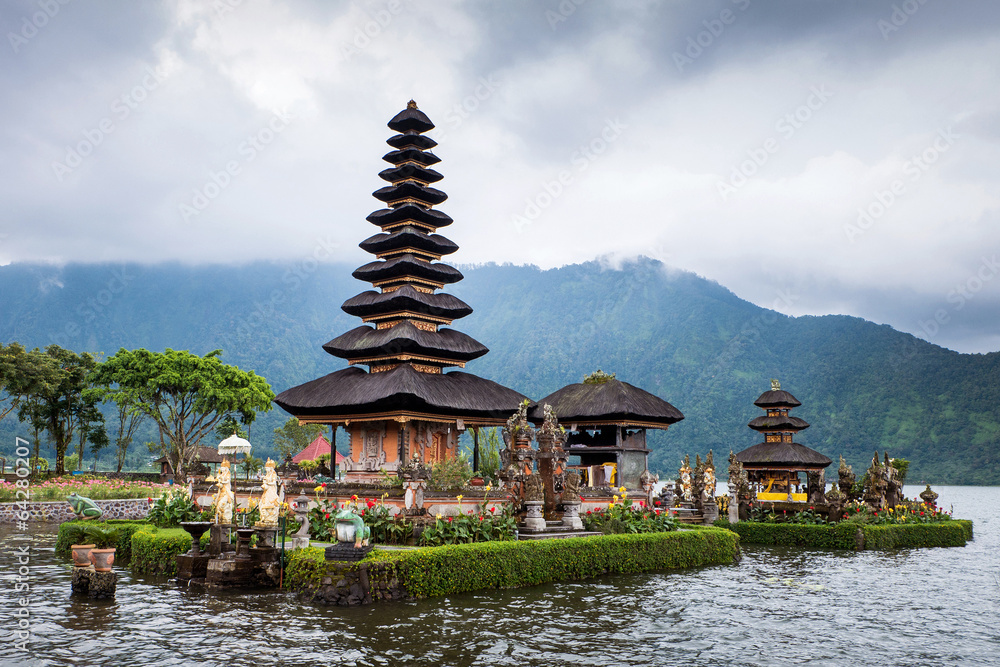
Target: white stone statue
<point x="270" y="503"/>
<point x="224" y="499"/>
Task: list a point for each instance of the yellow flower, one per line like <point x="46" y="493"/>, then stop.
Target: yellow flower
<point x="615" y="500"/>
<point x="459" y="497"/>
<point x="489" y="487"/>
<point x="622" y="490"/>
<point x="438" y="515"/>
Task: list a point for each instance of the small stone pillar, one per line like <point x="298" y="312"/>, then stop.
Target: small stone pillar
<point x="534" y="521"/>
<point x="93" y="584"/>
<point x="571" y="516"/>
<point x="710" y="512"/>
<point x="734" y="507"/>
<point x="300" y="540"/>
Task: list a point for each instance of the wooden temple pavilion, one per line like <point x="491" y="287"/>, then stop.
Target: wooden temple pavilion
<point x="773" y="466"/>
<point x="404" y="406"/>
<point x="606" y="422"/>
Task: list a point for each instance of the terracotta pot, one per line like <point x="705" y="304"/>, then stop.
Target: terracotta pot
<point x="477" y="481"/>
<point x="102" y="559"/>
<point x="81" y="554"/>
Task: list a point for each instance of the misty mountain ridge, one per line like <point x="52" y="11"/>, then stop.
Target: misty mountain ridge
<point x="691" y="341"/>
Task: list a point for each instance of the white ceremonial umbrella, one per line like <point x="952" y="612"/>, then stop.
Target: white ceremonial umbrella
<point x="234" y="445"/>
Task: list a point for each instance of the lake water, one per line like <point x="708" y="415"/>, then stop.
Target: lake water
<point x="777" y="607"/>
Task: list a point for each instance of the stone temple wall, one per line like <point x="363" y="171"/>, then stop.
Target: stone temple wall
<point x="59" y="511"/>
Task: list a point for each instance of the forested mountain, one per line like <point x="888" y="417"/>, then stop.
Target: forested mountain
<point x="689" y="340"/>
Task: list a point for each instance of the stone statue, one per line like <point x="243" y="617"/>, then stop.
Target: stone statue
<point x="698" y="482"/>
<point x="361" y="532"/>
<point x="84" y="507"/>
<point x="847" y="479"/>
<point x="270" y="503"/>
<point x="224" y="499"/>
<point x="816" y="486"/>
<point x="519" y="431"/>
<point x="893" y="488"/>
<point x="708" y="480"/>
<point x="775" y="385"/>
<point x="685" y="479"/>
<point x="875" y="484"/>
<point x="571" y="490"/>
<point x="533" y="489"/>
<point x="835" y="501"/>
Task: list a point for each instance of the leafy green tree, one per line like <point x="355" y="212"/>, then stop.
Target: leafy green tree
<point x="293" y="437"/>
<point x="52" y="395"/>
<point x="251" y="464"/>
<point x="14" y="365"/>
<point x="185" y="395"/>
<point x="229" y="426"/>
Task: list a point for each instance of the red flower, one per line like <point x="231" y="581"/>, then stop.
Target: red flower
<point x="921" y="514"/>
<point x="493" y="509"/>
<point x="657" y="502"/>
<point x="588" y="512"/>
<point x="323" y="484"/>
<point x="481" y="517"/>
<point x="642" y="503"/>
<point x="327" y="515"/>
<point x="449" y="519"/>
<point x="370" y="504"/>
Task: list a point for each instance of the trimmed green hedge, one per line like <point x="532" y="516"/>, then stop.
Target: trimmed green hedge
<point x="126" y="528"/>
<point x="155" y="550"/>
<point x="463" y="568"/>
<point x="148" y="549"/>
<point x="844" y="535"/>
<point x="947" y="534"/>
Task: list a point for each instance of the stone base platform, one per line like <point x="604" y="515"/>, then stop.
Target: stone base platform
<point x="93" y="584"/>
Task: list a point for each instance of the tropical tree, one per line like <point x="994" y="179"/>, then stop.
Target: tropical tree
<point x="52" y="399"/>
<point x="293" y="437"/>
<point x="14" y="364"/>
<point x="185" y="395"/>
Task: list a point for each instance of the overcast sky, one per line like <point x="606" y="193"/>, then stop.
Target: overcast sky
<point x="815" y="157"/>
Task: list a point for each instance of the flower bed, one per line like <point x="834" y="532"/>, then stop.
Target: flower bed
<point x="621" y="516"/>
<point x="59" y="488"/>
<point x="463" y="568"/>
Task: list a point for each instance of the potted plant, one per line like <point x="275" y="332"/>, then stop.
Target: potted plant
<point x="80" y="549"/>
<point x="102" y="556"/>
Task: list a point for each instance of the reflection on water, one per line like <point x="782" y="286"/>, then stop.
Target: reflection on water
<point x="779" y="606"/>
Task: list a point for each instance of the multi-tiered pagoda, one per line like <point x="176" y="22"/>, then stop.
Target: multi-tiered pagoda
<point x="773" y="466"/>
<point x="404" y="406"/>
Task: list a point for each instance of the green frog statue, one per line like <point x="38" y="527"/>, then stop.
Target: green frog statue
<point x="361" y="531"/>
<point x="84" y="507"/>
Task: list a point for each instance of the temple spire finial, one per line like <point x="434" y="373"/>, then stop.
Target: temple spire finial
<point x="411" y="105"/>
<point x="775" y="385"/>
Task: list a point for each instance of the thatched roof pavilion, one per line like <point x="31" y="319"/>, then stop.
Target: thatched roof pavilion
<point x="404" y="405"/>
<point x="607" y="421"/>
<point x="774" y="465"/>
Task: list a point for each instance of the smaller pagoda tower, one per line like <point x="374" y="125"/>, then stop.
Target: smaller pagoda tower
<point x="773" y="466"/>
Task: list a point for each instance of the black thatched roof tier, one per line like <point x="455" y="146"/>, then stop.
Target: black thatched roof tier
<point x="411" y="140"/>
<point x="405" y="339"/>
<point x="777" y="399"/>
<point x="407" y="265"/>
<point x="410" y="190"/>
<point x="406" y="298"/>
<point x="411" y="119"/>
<point x="397" y="174"/>
<point x="409" y="237"/>
<point x="785" y="423"/>
<point x="352" y="392"/>
<point x="425" y="158"/>
<point x="611" y="401"/>
<point x="787" y="454"/>
<point x="407" y="212"/>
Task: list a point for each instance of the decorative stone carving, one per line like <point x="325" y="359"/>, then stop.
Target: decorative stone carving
<point x="847" y="480"/>
<point x="816" y="486"/>
<point x="893" y="487"/>
<point x="875" y="483"/>
<point x="83" y="507"/>
<point x="533" y="489"/>
<point x="929" y="496"/>
<point x="708" y="479"/>
<point x="372" y="450"/>
<point x="835" y="500"/>
<point x="571" y="490"/>
<point x="647" y="481"/>
<point x="301" y="538"/>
